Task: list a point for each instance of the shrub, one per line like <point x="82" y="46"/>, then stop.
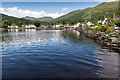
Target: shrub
<point x="104" y="28"/>
<point x="95" y="29"/>
<point x="88" y="28"/>
<point x="83" y="28"/>
<point x="117" y="22"/>
<point x="5" y="23"/>
<point x="61" y="26"/>
<point x="110" y="24"/>
<point x="80" y="26"/>
<point x="119" y="32"/>
<point x="99" y="28"/>
<point x="109" y="30"/>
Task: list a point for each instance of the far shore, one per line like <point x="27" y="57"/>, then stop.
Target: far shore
<point x="35" y="28"/>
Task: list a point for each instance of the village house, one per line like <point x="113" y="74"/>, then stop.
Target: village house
<point x="44" y="26"/>
<point x="94" y="26"/>
<point x="104" y="21"/>
<point x="57" y="25"/>
<point x="30" y="26"/>
<point x="76" y="25"/>
<point x="13" y="26"/>
<point x="84" y="24"/>
<point x="89" y="23"/>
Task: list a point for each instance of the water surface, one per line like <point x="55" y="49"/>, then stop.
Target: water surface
<point x="55" y="54"/>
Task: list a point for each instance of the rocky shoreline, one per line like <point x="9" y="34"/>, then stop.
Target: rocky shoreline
<point x="109" y="40"/>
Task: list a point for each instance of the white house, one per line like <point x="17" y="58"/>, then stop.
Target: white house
<point x="83" y="24"/>
<point x="57" y="25"/>
<point x="16" y="26"/>
<point x="30" y="26"/>
<point x="76" y="25"/>
<point x="94" y="26"/>
<point x="103" y="21"/>
<point x="89" y="23"/>
<point x="13" y="26"/>
<point x="100" y="21"/>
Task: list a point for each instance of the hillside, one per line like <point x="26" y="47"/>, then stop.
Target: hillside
<point x="46" y="19"/>
<point x="92" y="13"/>
<point x="14" y="19"/>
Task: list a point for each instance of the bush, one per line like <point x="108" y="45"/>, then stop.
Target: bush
<point x="109" y="30"/>
<point x="119" y="32"/>
<point x="99" y="28"/>
<point x="95" y="29"/>
<point x="6" y="23"/>
<point x="117" y="22"/>
<point x="104" y="28"/>
<point x="110" y="24"/>
<point x="83" y="28"/>
<point x="88" y="28"/>
<point x="61" y="26"/>
<point x="80" y="26"/>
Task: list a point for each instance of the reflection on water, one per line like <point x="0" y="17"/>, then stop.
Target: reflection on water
<point x="55" y="54"/>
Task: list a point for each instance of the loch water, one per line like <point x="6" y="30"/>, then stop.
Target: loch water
<point x="34" y="53"/>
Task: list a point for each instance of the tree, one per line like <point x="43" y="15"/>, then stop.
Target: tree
<point x="5" y="23"/>
<point x="19" y="23"/>
<point x="63" y="22"/>
<point x="37" y="24"/>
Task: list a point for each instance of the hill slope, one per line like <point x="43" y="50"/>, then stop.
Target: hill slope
<point x="14" y="20"/>
<point x="92" y="13"/>
<point x="46" y="19"/>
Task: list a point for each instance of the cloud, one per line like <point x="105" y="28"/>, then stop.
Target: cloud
<point x="104" y="0"/>
<point x="16" y="12"/>
<point x="64" y="9"/>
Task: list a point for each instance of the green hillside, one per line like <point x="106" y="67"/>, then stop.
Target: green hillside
<point x="46" y="19"/>
<point x="96" y="12"/>
<point x="14" y="20"/>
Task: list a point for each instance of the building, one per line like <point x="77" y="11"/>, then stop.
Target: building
<point x="13" y="26"/>
<point x="30" y="26"/>
<point x="94" y="26"/>
<point x="57" y="25"/>
<point x="84" y="24"/>
<point x="104" y="21"/>
<point x="76" y="25"/>
<point x="89" y="23"/>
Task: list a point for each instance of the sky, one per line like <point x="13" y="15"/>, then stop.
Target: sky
<point x="57" y="0"/>
<point x="41" y="9"/>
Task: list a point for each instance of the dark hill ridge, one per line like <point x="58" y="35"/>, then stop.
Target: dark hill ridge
<point x="92" y="13"/>
<point x="46" y="19"/>
<point x="14" y="19"/>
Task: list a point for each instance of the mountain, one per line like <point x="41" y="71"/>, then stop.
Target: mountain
<point x="46" y="19"/>
<point x="14" y="20"/>
<point x="97" y="12"/>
